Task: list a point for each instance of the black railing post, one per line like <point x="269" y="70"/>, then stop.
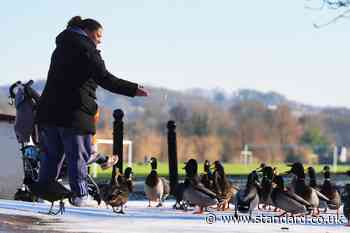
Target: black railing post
<point x="172" y="156"/>
<point x="118" y="131"/>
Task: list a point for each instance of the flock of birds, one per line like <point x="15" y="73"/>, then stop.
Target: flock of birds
<point x="265" y="189"/>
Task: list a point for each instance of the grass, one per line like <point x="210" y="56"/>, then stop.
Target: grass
<point x="141" y="170"/>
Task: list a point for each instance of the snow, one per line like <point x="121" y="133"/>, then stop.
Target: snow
<point x="140" y="218"/>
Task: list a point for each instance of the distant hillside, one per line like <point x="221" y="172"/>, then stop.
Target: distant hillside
<point x="216" y="96"/>
<point x="217" y="125"/>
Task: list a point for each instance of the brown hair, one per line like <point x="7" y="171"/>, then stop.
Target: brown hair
<point x="88" y="24"/>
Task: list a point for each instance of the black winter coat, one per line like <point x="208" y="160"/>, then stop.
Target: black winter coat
<point x="76" y="70"/>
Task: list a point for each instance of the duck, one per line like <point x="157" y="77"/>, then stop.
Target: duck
<point x="180" y="203"/>
<point x="93" y="189"/>
<point x="52" y="191"/>
<point x="116" y="194"/>
<point x="312" y="177"/>
<point x="266" y="186"/>
<point x="346" y="207"/>
<point x="223" y="188"/>
<point x="286" y="200"/>
<point x="23" y="194"/>
<point x="207" y="176"/>
<point x="156" y="188"/>
<point x="194" y="190"/>
<point x="247" y="199"/>
<point x="330" y="191"/>
<point x="306" y="192"/>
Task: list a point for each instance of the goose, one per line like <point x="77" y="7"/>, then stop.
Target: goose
<point x="156" y="188"/>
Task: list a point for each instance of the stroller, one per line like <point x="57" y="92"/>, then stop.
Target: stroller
<point x="26" y="99"/>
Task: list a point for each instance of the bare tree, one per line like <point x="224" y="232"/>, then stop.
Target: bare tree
<point x="341" y="6"/>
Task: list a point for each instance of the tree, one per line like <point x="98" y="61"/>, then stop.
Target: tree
<point x="320" y="144"/>
<point x="286" y="125"/>
<point x="341" y="8"/>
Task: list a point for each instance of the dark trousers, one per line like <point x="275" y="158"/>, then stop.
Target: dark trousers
<point x="59" y="144"/>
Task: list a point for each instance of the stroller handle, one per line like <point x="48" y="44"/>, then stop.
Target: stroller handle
<point x="12" y="87"/>
<point x="30" y="91"/>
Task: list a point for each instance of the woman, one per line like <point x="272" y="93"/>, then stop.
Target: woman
<point x="67" y="106"/>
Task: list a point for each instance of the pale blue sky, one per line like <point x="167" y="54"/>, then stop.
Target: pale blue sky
<point x="268" y="45"/>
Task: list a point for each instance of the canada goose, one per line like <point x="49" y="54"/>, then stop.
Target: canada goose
<point x="194" y="191"/>
<point x="156" y="188"/>
<point x="248" y="199"/>
<point x="52" y="191"/>
<point x="286" y="200"/>
<point x="223" y="188"/>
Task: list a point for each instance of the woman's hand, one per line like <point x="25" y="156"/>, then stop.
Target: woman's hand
<point x="141" y="92"/>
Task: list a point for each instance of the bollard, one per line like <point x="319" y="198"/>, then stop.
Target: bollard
<point x="172" y="156"/>
<point x="118" y="130"/>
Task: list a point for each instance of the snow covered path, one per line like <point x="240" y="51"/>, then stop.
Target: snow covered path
<point x="139" y="218"/>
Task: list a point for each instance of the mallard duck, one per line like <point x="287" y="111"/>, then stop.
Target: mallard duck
<point x="52" y="191"/>
<point x="266" y="186"/>
<point x="156" y="188"/>
<point x="286" y="200"/>
<point x="23" y="194"/>
<point x="248" y="199"/>
<point x="207" y="176"/>
<point x="223" y="188"/>
<point x="194" y="191"/>
<point x="180" y="203"/>
<point x="306" y="192"/>
<point x="116" y="194"/>
<point x="312" y="177"/>
<point x="346" y="207"/>
<point x="329" y="190"/>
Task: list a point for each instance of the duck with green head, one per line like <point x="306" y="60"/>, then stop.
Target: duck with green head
<point x="303" y="190"/>
<point x="346" y="207"/>
<point x="247" y="199"/>
<point x="52" y="191"/>
<point x="330" y="191"/>
<point x="194" y="191"/>
<point x="286" y="200"/>
<point x="207" y="176"/>
<point x="266" y="186"/>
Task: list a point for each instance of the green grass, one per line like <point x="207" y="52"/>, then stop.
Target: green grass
<point x="141" y="170"/>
